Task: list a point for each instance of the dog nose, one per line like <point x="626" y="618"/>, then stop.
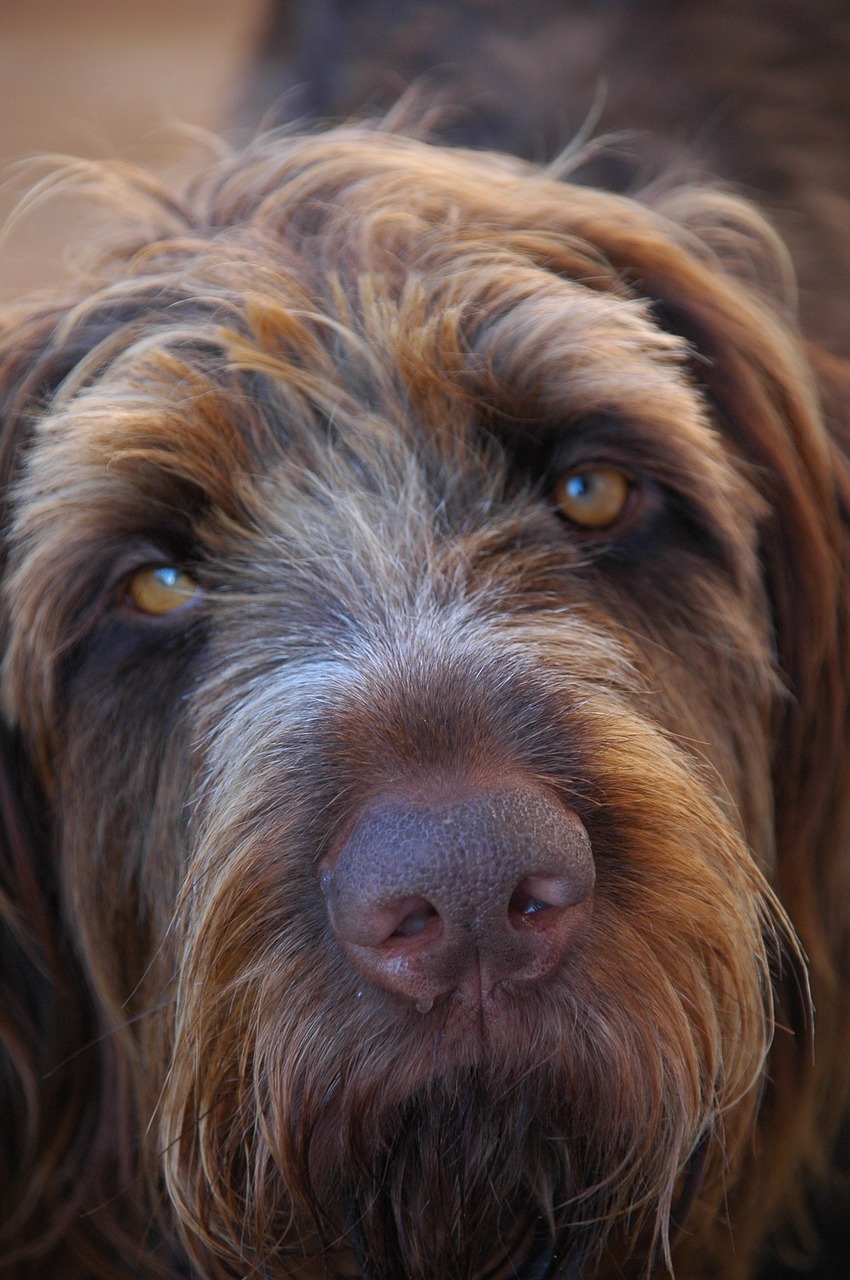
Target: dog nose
<point x="426" y="899"/>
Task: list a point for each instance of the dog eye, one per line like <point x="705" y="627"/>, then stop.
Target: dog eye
<point x="594" y="497"/>
<point x="159" y="589"/>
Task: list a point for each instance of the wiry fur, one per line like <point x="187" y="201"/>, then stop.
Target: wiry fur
<point x="337" y="388"/>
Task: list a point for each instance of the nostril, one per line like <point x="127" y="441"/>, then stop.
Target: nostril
<point x="536" y="894"/>
<point x="418" y="915"/>
<point x="366" y="922"/>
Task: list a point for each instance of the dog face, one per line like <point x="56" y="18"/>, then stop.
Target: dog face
<point x="424" y="693"/>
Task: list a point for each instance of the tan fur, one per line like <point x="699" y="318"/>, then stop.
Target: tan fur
<point x="338" y="390"/>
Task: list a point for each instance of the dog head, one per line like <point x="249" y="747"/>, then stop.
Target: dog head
<point x="424" y="704"/>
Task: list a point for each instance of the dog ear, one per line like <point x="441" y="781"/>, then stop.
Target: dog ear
<point x="62" y="1087"/>
<point x="785" y="418"/>
<point x="717" y="279"/>
<point x="784" y="410"/>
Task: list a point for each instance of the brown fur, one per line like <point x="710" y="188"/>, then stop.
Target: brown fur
<point x="338" y="387"/>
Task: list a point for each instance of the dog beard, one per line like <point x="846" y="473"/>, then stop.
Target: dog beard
<point x="464" y="1179"/>
<point x="488" y="1170"/>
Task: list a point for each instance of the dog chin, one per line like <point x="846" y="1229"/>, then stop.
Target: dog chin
<point x="475" y="1155"/>
<point x="460" y="1179"/>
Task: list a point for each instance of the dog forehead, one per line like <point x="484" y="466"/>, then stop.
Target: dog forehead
<point x="374" y="292"/>
<point x="274" y="408"/>
<point x="272" y="389"/>
<point x="343" y="276"/>
<point x="472" y="318"/>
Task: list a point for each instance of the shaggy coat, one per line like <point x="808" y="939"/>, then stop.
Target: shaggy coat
<point x="300" y="571"/>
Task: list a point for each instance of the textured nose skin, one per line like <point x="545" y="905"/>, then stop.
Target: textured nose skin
<point x="426" y="899"/>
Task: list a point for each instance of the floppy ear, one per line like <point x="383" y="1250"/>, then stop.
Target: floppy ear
<point x="785" y="413"/>
<point x="63" y="1089"/>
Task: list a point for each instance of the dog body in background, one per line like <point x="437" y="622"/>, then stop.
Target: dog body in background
<point x="425" y="708"/>
<point x="752" y="91"/>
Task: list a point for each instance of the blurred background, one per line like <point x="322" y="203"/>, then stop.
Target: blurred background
<point x="754" y="91"/>
<point x="101" y="78"/>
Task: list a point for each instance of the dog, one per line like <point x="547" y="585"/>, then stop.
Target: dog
<point x="425" y="704"/>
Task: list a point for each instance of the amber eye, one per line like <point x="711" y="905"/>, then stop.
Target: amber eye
<point x="160" y="589"/>
<point x="594" y="497"/>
